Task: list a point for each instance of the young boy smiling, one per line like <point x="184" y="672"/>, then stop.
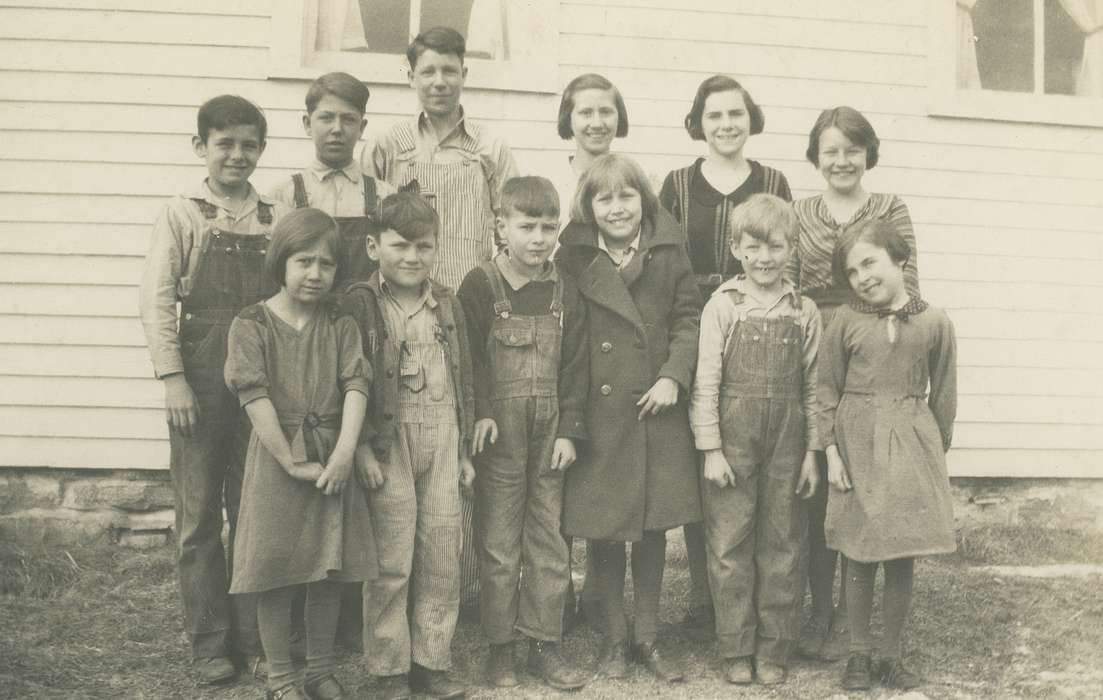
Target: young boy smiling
<point x="753" y="413"/>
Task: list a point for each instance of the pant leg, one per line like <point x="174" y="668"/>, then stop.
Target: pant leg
<point x="699" y="595"/>
<point x="609" y="568"/>
<point x="469" y="551"/>
<point x="589" y="593"/>
<point x="899" y="575"/>
<point x="395" y="520"/>
<point x="243" y="606"/>
<point x="730" y="541"/>
<point x="648" y="562"/>
<point x="435" y="584"/>
<point x="821" y="560"/>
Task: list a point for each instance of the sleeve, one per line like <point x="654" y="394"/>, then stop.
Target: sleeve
<point x="473" y="296"/>
<point x="574" y="366"/>
<point x="942" y="364"/>
<point x="246" y="372"/>
<point x="901" y="220"/>
<point x="375" y="157"/>
<point x="685" y="323"/>
<point x="354" y="305"/>
<point x="466" y="374"/>
<point x="792" y="268"/>
<point x="157" y="291"/>
<point x="284" y="193"/>
<point x="668" y="198"/>
<point x="813" y="329"/>
<point x="353" y="372"/>
<point x="503" y="168"/>
<point x="831" y="376"/>
<point x="704" y="407"/>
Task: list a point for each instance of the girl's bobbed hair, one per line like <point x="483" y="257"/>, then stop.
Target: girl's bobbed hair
<point x="609" y="173"/>
<point x="589" y="81"/>
<point x="721" y="83"/>
<point x="876" y="232"/>
<point x="854" y="126"/>
<point x="297" y="231"/>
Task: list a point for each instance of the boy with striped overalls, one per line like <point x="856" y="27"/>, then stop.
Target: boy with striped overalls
<point x="207" y="254"/>
<point x="460" y="167"/>
<point x="417" y="451"/>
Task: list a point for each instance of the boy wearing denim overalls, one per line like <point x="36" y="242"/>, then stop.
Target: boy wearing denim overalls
<point x="207" y="253"/>
<point x="753" y="415"/>
<point x="531" y="367"/>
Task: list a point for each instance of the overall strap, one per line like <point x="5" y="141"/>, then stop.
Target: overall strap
<point x="300" y="191"/>
<point x="264" y="213"/>
<point x="502" y="307"/>
<point x="210" y="211"/>
<point x="371" y="198"/>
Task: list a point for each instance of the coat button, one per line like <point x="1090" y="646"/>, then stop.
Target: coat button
<point x="390" y="374"/>
<point x="756" y="337"/>
<point x="606" y="390"/>
<point x="606" y="346"/>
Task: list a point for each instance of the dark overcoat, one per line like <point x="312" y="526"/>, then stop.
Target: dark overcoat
<point x="643" y="324"/>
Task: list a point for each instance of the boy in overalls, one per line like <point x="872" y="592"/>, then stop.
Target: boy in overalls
<point x="460" y="168"/>
<point x="753" y="415"/>
<point x="417" y="451"/>
<point x="207" y="253"/>
<point x="531" y="366"/>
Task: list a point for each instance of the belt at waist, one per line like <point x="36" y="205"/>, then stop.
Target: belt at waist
<point x="889" y="397"/>
<point x="312" y="425"/>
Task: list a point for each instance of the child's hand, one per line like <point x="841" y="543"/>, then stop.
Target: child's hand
<point x="563" y="454"/>
<point x="836" y="470"/>
<point x="809" y="476"/>
<point x="717" y="470"/>
<point x="467" y="475"/>
<point x="336" y="474"/>
<point x="367" y="466"/>
<point x="662" y="395"/>
<point x="306" y="471"/>
<point x="181" y="407"/>
<point x="485" y="429"/>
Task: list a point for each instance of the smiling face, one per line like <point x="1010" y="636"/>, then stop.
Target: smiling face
<point x="403" y="263"/>
<point x="594" y="120"/>
<point x="438" y="79"/>
<point x="725" y="122"/>
<point x="617" y="214"/>
<point x="309" y="274"/>
<point x="529" y="239"/>
<point x="841" y="161"/>
<point x="335" y="126"/>
<point x="763" y="261"/>
<point x="231" y="155"/>
<point x="874" y="276"/>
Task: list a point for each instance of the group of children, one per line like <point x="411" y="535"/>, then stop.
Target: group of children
<point x="324" y="381"/>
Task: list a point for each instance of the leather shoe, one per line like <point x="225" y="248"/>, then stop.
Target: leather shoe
<point x="613" y="662"/>
<point x="499" y="666"/>
<point x="857" y="674"/>
<point x="547" y="663"/>
<point x="393" y="688"/>
<point x="324" y="687"/>
<point x="767" y="673"/>
<point x="892" y="674"/>
<point x="739" y="671"/>
<point x="648" y="654"/>
<point x="435" y="684"/>
<point x="215" y="669"/>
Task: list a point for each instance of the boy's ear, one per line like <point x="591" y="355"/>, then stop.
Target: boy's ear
<point x="410" y="76"/>
<point x="199" y="147"/>
<point x="306" y="123"/>
<point x="500" y="225"/>
<point x="363" y="125"/>
<point x="372" y="247"/>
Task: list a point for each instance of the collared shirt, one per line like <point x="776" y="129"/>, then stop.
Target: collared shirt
<point x="622" y="257"/>
<point x="336" y="191"/>
<point x="718" y="321"/>
<point x="378" y="156"/>
<point x="178" y="237"/>
<point x="417" y="326"/>
<point x="515" y="279"/>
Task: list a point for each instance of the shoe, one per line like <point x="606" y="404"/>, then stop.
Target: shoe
<point x="499" y="666"/>
<point x="324" y="687"/>
<point x="435" y="684"/>
<point x="857" y="674"/>
<point x="648" y="654"/>
<point x="545" y="662"/>
<point x="837" y="645"/>
<point x="766" y="673"/>
<point x="701" y="616"/>
<point x="892" y="674"/>
<point x="812" y="637"/>
<point x="393" y="688"/>
<point x="286" y="692"/>
<point x="215" y="669"/>
<point x="613" y="662"/>
<point x="739" y="671"/>
<point x="255" y="666"/>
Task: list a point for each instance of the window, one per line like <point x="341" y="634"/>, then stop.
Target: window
<point x="1018" y="60"/>
<point x="510" y="45"/>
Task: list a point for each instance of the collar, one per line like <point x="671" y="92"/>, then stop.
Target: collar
<point x="632" y="247"/>
<point x="426" y="299"/>
<point x="739" y="284"/>
<point x="914" y="306"/>
<point x="515" y="279"/>
<point x="321" y="171"/>
<point x="424" y="126"/>
<point x="709" y="196"/>
<point x="205" y="192"/>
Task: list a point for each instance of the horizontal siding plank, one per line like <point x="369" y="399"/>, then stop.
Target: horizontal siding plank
<point x="97" y="392"/>
<point x="90" y="57"/>
<point x="86" y="238"/>
<point x="1029" y="382"/>
<point x="978" y="239"/>
<point x="1044" y="463"/>
<point x="69" y="300"/>
<point x="91" y="329"/>
<point x="64" y="209"/>
<point x="1027" y="436"/>
<point x="895" y="12"/>
<point x="1047" y="410"/>
<point x="995" y="267"/>
<point x="256" y="8"/>
<point x="64" y="421"/>
<point x="1025" y="296"/>
<point x="1052" y="354"/>
<point x="69" y="453"/>
<point x="70" y="269"/>
<point x="1014" y="324"/>
<point x="106" y="26"/>
<point x="74" y="361"/>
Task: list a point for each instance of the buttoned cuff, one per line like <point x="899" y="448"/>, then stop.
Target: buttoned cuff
<point x="166" y="364"/>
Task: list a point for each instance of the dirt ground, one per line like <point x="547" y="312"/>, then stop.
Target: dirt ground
<point x="103" y="622"/>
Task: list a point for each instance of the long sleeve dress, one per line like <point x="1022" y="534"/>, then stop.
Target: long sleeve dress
<point x="288" y="531"/>
<point x="891" y="434"/>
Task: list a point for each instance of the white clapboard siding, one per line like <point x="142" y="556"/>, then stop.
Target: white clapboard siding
<point x="97" y="108"/>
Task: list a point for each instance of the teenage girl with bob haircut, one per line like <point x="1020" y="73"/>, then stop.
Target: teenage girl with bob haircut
<point x="842" y="146"/>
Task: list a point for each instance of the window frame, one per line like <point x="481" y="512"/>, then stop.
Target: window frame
<point x="290" y="56"/>
<point x="946" y="99"/>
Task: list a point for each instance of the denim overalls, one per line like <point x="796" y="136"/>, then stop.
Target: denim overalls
<point x="356" y="266"/>
<point x="520" y="499"/>
<point x="754" y="528"/>
<point x="207" y="468"/>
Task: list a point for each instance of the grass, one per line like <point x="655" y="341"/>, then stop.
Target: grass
<point x="103" y="622"/>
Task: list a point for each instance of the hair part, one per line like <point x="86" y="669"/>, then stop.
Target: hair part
<point x="590" y="81"/>
<point x="530" y="195"/>
<point x="760" y="216"/>
<point x="226" y="111"/>
<point x="408" y="215"/>
<point x="609" y="173"/>
<point x="443" y="40"/>
<point x="297" y="231"/>
<point x="854" y="126"/>
<point x="879" y="233"/>
<point x="342" y="86"/>
<point x="711" y="86"/>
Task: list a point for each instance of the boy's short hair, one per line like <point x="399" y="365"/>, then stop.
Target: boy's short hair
<point x="721" y="83"/>
<point x="590" y="81"/>
<point x="340" y="85"/>
<point x="443" y="40"/>
<point x="408" y="215"/>
<point x="854" y="126"/>
<point x="531" y="195"/>
<point x="298" y="230"/>
<point x="877" y="232"/>
<point x="611" y="172"/>
<point x="761" y="215"/>
<point x="225" y="111"/>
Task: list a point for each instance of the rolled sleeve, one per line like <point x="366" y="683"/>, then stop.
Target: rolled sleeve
<point x="704" y="407"/>
<point x="355" y="372"/>
<point x="157" y="292"/>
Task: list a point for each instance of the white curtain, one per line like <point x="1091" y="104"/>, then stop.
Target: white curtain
<point x="968" y="76"/>
<point x="335" y="25"/>
<point x="1088" y="15"/>
<point x="488" y="28"/>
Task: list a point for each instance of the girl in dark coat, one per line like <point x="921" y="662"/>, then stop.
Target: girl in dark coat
<point x="638" y="477"/>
